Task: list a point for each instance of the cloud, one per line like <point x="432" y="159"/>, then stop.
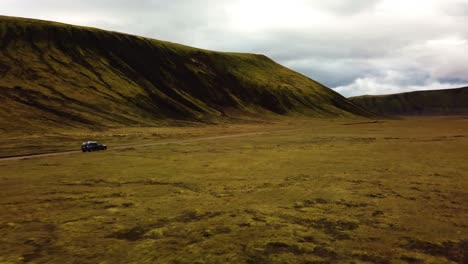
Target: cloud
<point x="387" y="85"/>
<point x="359" y="46"/>
<point x="432" y="64"/>
<point x="347" y="7"/>
<point x="456" y="8"/>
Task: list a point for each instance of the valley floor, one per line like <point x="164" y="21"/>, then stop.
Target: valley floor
<point x="307" y="191"/>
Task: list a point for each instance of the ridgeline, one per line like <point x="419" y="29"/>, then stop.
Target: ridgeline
<point x="55" y="75"/>
<point x="435" y="102"/>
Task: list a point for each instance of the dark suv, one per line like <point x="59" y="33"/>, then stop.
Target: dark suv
<point x="92" y="146"/>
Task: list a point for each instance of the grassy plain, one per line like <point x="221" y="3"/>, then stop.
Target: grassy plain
<point x="327" y="191"/>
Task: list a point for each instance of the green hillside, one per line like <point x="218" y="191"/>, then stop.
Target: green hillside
<point x="434" y="102"/>
<point x="64" y="76"/>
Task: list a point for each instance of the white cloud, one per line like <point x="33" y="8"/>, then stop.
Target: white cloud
<point x="255" y="16"/>
<point x="443" y="58"/>
<point x="431" y="64"/>
<point x="391" y="82"/>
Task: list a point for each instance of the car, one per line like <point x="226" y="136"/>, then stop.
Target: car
<point x="89" y="146"/>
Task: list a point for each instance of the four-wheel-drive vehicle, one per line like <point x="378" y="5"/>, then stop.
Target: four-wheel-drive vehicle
<point x="92" y="146"/>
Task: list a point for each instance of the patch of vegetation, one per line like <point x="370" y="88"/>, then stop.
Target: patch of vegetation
<point x="301" y="196"/>
<point x="454" y="251"/>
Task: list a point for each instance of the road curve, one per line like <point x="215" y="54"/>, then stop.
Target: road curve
<point x="31" y="156"/>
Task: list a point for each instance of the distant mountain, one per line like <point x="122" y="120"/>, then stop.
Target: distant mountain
<point x="58" y="75"/>
<point x="433" y="102"/>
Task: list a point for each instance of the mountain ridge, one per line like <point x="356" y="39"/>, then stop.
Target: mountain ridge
<point x="54" y="74"/>
<point x="429" y="102"/>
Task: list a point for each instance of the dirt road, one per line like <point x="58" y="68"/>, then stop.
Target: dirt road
<point x="147" y="145"/>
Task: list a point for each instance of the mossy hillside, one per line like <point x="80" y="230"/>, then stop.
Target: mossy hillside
<point x="436" y="102"/>
<point x="61" y="75"/>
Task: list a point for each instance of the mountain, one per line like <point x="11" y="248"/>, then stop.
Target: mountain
<point x="433" y="102"/>
<point x="59" y="75"/>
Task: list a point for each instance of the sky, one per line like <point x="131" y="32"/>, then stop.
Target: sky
<point x="355" y="47"/>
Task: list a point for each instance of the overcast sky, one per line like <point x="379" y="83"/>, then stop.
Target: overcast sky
<point x="354" y="46"/>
